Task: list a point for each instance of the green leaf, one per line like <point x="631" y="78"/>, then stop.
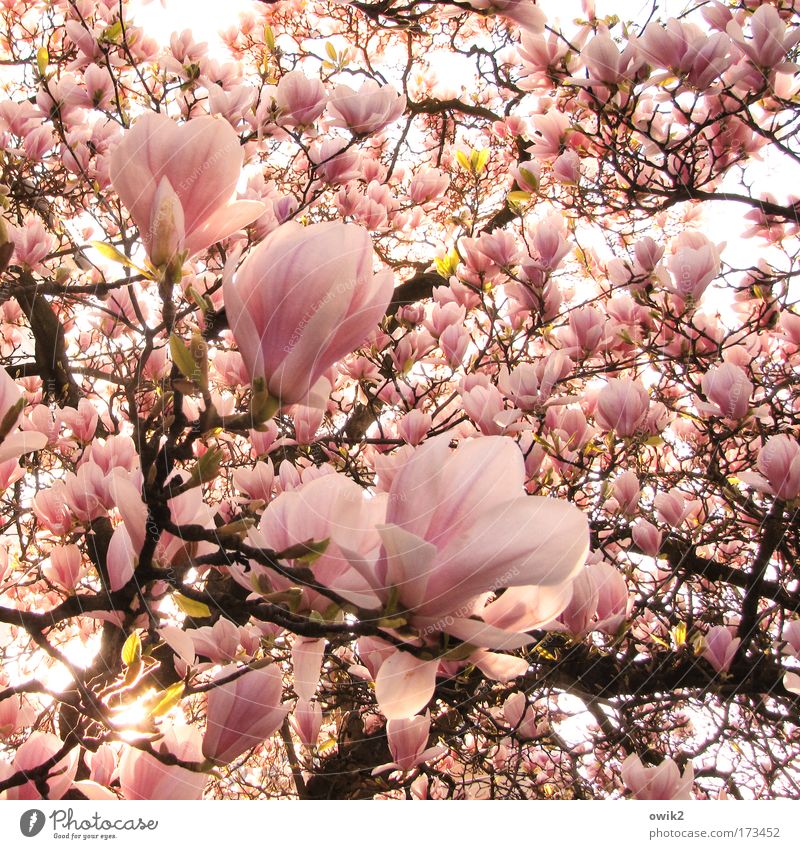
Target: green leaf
<point x="171" y="696"/>
<point x="305" y="552"/>
<point x="132" y="649"/>
<point x="679" y="634"/>
<point x="42" y="60"/>
<point x="9" y="421"/>
<point x="529" y="177"/>
<point x="112" y="34"/>
<point x="331" y="51"/>
<point x="478" y="160"/>
<point x="195" y="609"/>
<point x="517" y="198"/>
<point x="446" y="265"/>
<point x="110" y="252"/>
<point x="326" y="746"/>
<point x="206" y="468"/>
<point x="463" y="160"/>
<point x="269" y="38"/>
<point x="182" y="357"/>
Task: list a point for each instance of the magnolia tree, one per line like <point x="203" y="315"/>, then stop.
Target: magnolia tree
<point x="383" y="414"/>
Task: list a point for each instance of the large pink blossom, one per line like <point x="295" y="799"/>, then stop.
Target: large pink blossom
<point x="303" y="299"/>
<point x="178" y="182"/>
<point x="243" y="712"/>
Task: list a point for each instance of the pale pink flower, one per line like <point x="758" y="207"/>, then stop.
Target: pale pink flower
<point x="256" y="483"/>
<point x="779" y="464"/>
<point x="368" y="110"/>
<point x="729" y="390"/>
<point x="32" y="242"/>
<point x="627" y="492"/>
<point x="35" y="751"/>
<point x="693" y="266"/>
<point x="428" y="184"/>
<point x="306" y="719"/>
<point x="664" y="781"/>
<point x="300" y="100"/>
<point x="407" y="740"/>
<point x="519" y="715"/>
<point x="769" y="41"/>
<point x="99" y="86"/>
<point x="178" y="182"/>
<point x="622" y="406"/>
<point x="242" y="713"/>
<point x="671" y="507"/>
<point x="579" y="613"/>
<point x="647" y="537"/>
<point x="65" y="566"/>
<point x="719" y="647"/>
<point x="14" y="442"/>
<point x="303" y="299"/>
<point x="143" y="776"/>
<point x="458" y="525"/>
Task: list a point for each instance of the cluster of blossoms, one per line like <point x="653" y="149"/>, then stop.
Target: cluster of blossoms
<point x="379" y="424"/>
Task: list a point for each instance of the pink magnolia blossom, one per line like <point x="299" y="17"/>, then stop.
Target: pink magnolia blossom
<point x="414" y="426"/>
<point x="647" y="537"/>
<point x="256" y="483"/>
<point x="334" y="161"/>
<point x="664" y="781"/>
<point x="791" y="636"/>
<point x="519" y="715"/>
<point x="604" y="61"/>
<point x="523" y="12"/>
<point x="622" y="406"/>
<point x="303" y="299"/>
<point x="578" y="614"/>
<point x="306" y="719"/>
<point x="32" y="242"/>
<point x="552" y="129"/>
<point x="791" y="681"/>
<point x="300" y="100"/>
<point x="428" y="184"/>
<point x="612" y="596"/>
<point x="81" y="421"/>
<point x="779" y="464"/>
<point x="99" y="86"/>
<point x="366" y="111"/>
<point x="457" y="523"/>
<point x="15" y="442"/>
<point x="719" y="647"/>
<point x="729" y="390"/>
<point x="35" y="751"/>
<point x="15" y="714"/>
<point x="671" y="507"/>
<point x="769" y="41"/>
<point x="567" y="168"/>
<point x="242" y="713"/>
<point x="408" y="739"/>
<point x="143" y="776"/>
<point x="685" y="49"/>
<point x="693" y="266"/>
<point x="178" y="180"/>
<point x="65" y="566"/>
<point x="307" y="657"/>
<point x="627" y="492"/>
